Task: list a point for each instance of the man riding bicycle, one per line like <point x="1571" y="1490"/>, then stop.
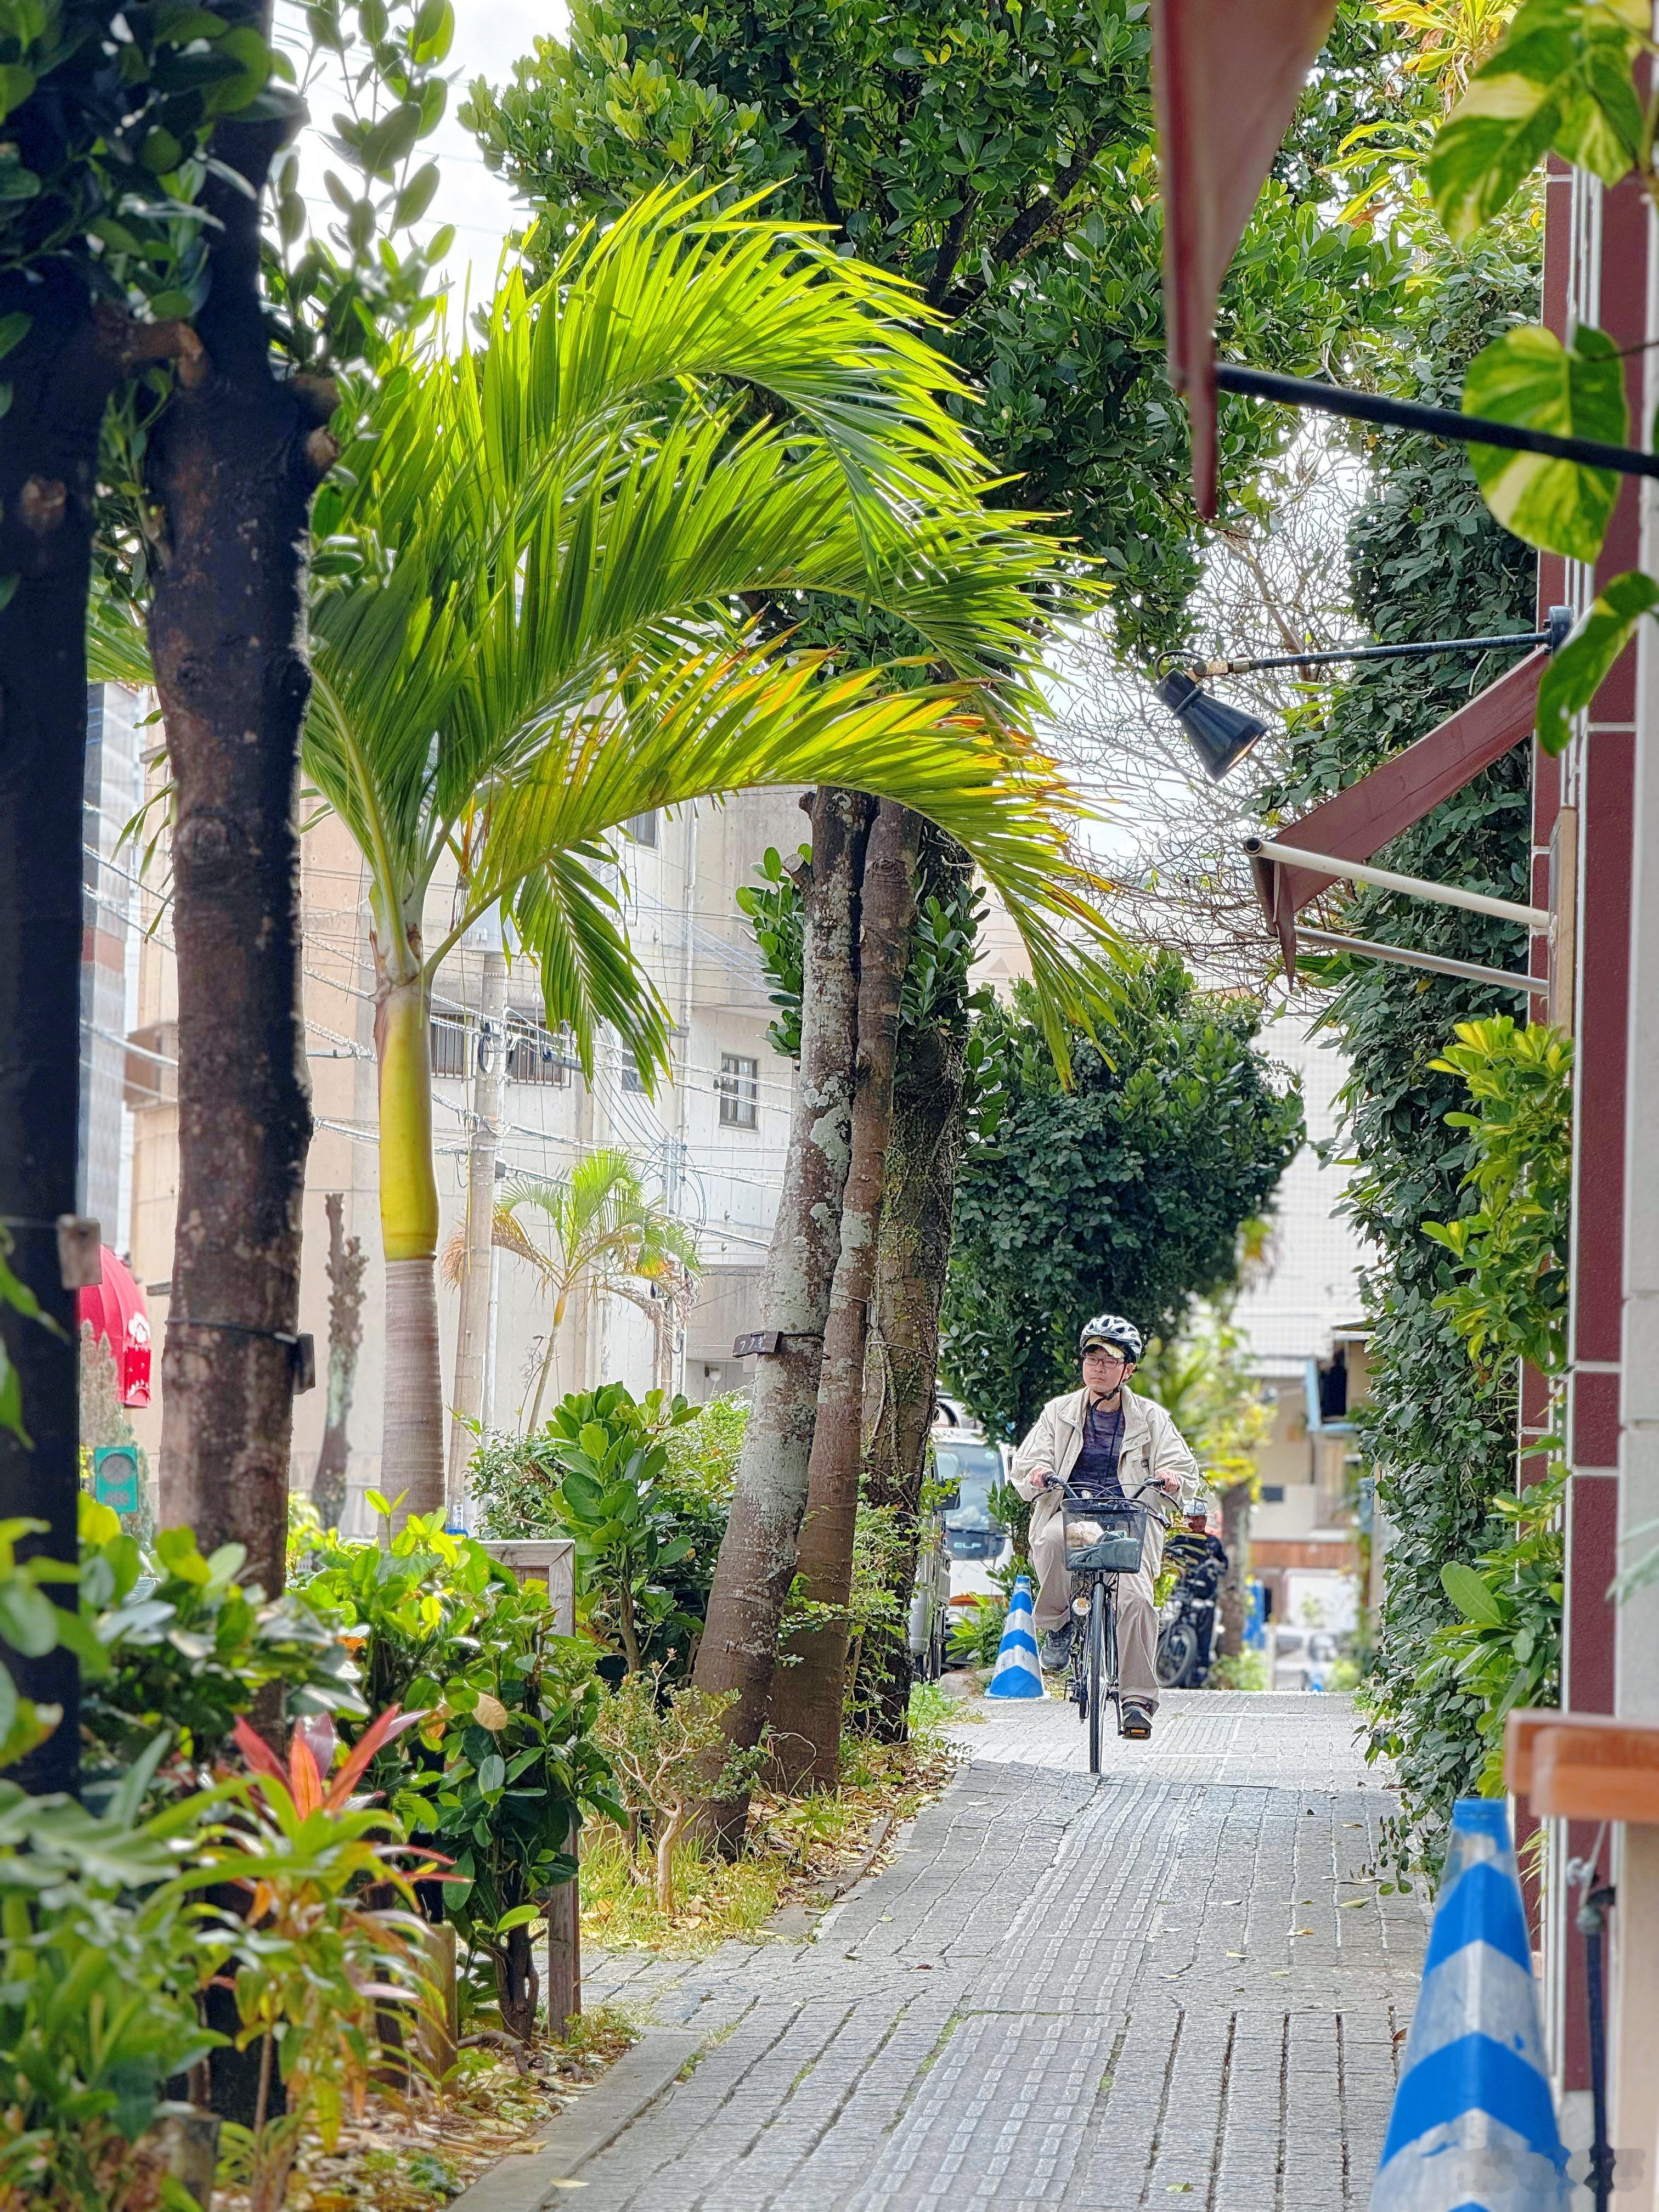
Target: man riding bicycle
<point x="1105" y="1441"/>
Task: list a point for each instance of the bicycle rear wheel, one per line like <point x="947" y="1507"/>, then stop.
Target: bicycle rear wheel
<point x="1097" y="1672"/>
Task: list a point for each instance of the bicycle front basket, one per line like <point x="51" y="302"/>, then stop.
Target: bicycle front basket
<point x="1109" y="1538"/>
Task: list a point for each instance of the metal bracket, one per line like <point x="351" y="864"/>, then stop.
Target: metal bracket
<point x="1530" y="917"/>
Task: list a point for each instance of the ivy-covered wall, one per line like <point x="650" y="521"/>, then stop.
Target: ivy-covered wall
<point x="1426" y="561"/>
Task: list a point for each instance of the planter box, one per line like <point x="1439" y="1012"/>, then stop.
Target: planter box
<point x="1585" y="1767"/>
<point x="548" y="1559"/>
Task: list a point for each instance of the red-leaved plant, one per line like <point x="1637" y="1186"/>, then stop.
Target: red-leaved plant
<point x="332" y="1941"/>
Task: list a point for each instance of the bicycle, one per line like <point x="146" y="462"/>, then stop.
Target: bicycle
<point x="1104" y="1539"/>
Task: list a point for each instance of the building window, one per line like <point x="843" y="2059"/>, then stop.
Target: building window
<point x="448" y="1047"/>
<point x="1273" y="1493"/>
<point x="538" y="1055"/>
<point x="631" y="1077"/>
<point x="642" y="828"/>
<point x="739" y="1090"/>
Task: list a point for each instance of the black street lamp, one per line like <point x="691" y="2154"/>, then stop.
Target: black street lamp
<point x="1221" y="735"/>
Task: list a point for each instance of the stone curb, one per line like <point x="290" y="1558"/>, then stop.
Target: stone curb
<point x="636" y="2080"/>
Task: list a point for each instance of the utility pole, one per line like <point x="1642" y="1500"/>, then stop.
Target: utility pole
<point x="472" y="1336"/>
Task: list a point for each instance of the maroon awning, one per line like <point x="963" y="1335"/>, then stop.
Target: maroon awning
<point x="1227" y="75"/>
<point x="1356" y="824"/>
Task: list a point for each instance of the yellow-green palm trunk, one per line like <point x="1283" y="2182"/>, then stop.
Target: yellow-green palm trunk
<point x="412" y="1429"/>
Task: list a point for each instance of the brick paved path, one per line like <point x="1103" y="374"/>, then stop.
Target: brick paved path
<point x="1098" y="1995"/>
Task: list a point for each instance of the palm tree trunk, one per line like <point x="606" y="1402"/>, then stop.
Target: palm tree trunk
<point x="739" y="1647"/>
<point x="807" y="1698"/>
<point x="345" y="1336"/>
<point x="542" y="1373"/>
<point x="234" y="462"/>
<point x="472" y="1325"/>
<point x="412" y="1431"/>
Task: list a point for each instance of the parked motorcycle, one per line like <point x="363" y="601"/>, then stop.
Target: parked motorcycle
<point x="1187" y="1635"/>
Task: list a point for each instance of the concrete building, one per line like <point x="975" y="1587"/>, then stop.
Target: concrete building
<point x="109" y="956"/>
<point x="1300" y="1313"/>
<point x="712" y="1141"/>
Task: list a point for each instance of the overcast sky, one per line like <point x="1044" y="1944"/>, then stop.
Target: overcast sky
<point x="489" y="36"/>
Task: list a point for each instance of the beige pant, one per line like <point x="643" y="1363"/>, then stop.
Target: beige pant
<point x="1137" y="1614"/>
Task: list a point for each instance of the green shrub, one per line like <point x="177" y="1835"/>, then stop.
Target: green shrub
<point x="676" y="1464"/>
<point x="1239" y="1670"/>
<point x="100" y="1958"/>
<point x="193" y="1650"/>
<point x="513" y="1480"/>
<point x="976" y="1631"/>
<point x="501" y="1774"/>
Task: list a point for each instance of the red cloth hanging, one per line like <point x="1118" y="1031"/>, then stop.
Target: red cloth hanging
<point x="115" y="1307"/>
<point x="1227" y="75"/>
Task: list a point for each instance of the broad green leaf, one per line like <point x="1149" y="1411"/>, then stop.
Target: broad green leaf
<point x="583" y="1495"/>
<point x="11" y="1401"/>
<point x="1499" y="130"/>
<point x="492" y="1772"/>
<point x="1579" y="669"/>
<point x="1561" y="80"/>
<point x="1470" y="1595"/>
<point x="16" y="83"/>
<point x="28" y="1620"/>
<point x="1528" y="376"/>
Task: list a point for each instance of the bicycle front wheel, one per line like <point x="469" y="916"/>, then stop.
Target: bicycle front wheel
<point x="1097" y="1669"/>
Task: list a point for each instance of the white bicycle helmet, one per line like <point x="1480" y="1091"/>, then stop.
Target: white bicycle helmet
<point x="1112" y="1330"/>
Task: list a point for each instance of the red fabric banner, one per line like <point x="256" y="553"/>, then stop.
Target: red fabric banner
<point x="1227" y="75"/>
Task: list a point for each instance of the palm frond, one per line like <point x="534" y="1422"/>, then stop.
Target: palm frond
<point x="722" y="723"/>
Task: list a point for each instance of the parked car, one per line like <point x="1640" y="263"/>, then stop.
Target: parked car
<point x="975" y="1539"/>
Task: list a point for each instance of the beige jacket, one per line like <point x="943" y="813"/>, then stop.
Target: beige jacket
<point x="1152" y="1445"/>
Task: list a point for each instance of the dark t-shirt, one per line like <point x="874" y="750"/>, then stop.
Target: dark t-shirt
<point x="1095" y="1474"/>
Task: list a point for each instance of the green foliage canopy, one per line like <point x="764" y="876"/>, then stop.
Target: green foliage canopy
<point x="1126" y="1193"/>
<point x="1001" y="158"/>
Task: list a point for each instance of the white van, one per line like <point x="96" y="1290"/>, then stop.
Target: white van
<point x="963" y="1457"/>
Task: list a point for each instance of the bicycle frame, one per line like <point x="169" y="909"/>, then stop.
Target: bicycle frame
<point x="1095" y="1678"/>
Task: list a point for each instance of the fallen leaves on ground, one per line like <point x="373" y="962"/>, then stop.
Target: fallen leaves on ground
<point x="415" y="2154"/>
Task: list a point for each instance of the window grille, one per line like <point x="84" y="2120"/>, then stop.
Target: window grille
<point x="740" y="1091"/>
<point x="642" y="828"/>
<point x="534" y="1055"/>
<point x="448" y="1046"/>
<point x="631" y="1077"/>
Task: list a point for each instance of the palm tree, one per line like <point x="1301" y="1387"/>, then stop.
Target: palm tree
<point x="532" y="618"/>
<point x="604" y="1229"/>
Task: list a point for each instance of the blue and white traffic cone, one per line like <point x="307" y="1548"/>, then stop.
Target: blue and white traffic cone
<point x="1017" y="1673"/>
<point x="1474" y="2124"/>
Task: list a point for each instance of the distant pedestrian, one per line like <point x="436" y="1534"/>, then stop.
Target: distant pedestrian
<point x="1105" y="1440"/>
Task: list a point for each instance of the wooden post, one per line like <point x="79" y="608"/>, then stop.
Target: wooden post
<point x="552" y="1560"/>
<point x="564" y="1954"/>
<point x="440" y="2031"/>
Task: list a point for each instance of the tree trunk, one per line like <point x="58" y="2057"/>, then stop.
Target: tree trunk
<point x="234" y="460"/>
<point x="1235" y="1535"/>
<point x="48" y="454"/>
<point x="472" y="1329"/>
<point x="807" y="1697"/>
<point x="756" y="1560"/>
<point x="913" y="1250"/>
<point x="345" y="1336"/>
<point x="413" y="1426"/>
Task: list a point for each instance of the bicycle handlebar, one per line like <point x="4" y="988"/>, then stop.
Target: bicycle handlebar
<point x="1130" y="1496"/>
